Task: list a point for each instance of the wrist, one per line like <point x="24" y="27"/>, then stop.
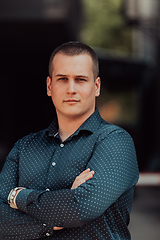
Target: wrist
<point x="12" y="197"/>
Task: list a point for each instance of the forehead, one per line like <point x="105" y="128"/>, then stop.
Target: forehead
<point x="81" y="62"/>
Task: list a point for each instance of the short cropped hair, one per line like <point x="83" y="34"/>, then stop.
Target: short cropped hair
<point x="73" y="49"/>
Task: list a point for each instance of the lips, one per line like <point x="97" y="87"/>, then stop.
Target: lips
<point x="71" y="100"/>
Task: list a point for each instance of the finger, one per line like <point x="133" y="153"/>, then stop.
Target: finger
<point x="82" y="178"/>
<point x="85" y="171"/>
<point x="57" y="228"/>
<point x="88" y="176"/>
<point x="85" y="175"/>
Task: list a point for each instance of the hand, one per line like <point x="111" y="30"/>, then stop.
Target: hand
<point x="82" y="178"/>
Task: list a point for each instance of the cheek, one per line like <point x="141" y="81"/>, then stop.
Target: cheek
<point x="57" y="95"/>
<point x="89" y="92"/>
<point x="54" y="94"/>
<point x="56" y="91"/>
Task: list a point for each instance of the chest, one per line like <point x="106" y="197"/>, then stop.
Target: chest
<point x="54" y="165"/>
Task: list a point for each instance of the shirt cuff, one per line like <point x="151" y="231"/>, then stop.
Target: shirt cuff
<point x="21" y="199"/>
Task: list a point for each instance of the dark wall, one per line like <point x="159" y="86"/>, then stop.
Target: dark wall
<point x="26" y="45"/>
<point x="25" y="106"/>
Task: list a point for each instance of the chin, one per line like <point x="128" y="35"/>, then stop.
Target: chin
<point x="73" y="113"/>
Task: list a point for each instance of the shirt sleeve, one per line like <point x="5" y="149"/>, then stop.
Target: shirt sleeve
<point x="15" y="224"/>
<point x="116" y="171"/>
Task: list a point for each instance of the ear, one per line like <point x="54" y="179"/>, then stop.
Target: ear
<point x="97" y="86"/>
<point x="48" y="82"/>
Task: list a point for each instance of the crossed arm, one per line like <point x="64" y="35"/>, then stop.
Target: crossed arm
<point x="115" y="172"/>
<point x="23" y="222"/>
<point x="82" y="178"/>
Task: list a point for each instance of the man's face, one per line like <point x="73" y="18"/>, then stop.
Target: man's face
<point x="72" y="87"/>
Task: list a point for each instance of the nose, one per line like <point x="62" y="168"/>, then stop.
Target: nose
<point x="71" y="87"/>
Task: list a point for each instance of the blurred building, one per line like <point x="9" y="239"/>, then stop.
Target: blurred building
<point x="140" y="74"/>
<point x="144" y="17"/>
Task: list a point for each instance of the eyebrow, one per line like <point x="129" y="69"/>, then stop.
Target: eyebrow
<point x="60" y="75"/>
<point x="81" y="76"/>
<point x="63" y="75"/>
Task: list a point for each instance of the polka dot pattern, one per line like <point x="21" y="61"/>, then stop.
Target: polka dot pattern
<point x="46" y="167"/>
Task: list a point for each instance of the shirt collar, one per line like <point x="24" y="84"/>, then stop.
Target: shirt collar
<point x="91" y="124"/>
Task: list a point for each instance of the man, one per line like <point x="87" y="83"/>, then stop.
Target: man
<point x="74" y="180"/>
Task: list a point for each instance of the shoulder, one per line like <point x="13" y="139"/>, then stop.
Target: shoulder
<point x="111" y="132"/>
<point x="107" y="128"/>
<point x="31" y="139"/>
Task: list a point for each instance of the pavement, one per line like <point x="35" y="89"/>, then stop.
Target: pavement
<point x="145" y="215"/>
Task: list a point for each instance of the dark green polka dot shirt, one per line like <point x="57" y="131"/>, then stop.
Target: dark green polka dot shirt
<point x="47" y="167"/>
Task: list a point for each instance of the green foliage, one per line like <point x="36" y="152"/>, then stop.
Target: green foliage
<point x="104" y="25"/>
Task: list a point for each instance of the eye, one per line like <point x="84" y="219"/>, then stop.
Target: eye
<point x="62" y="79"/>
<point x="81" y="80"/>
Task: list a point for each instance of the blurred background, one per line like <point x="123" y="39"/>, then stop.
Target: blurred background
<point x="126" y="37"/>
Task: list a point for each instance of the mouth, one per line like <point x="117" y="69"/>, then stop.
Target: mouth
<point x="71" y="100"/>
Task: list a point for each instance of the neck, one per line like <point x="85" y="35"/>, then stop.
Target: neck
<point x="67" y="126"/>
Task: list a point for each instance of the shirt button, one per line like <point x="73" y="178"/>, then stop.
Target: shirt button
<point x="47" y="189"/>
<point x="47" y="234"/>
<point x="44" y="225"/>
<point x="53" y="164"/>
<point x="61" y="145"/>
